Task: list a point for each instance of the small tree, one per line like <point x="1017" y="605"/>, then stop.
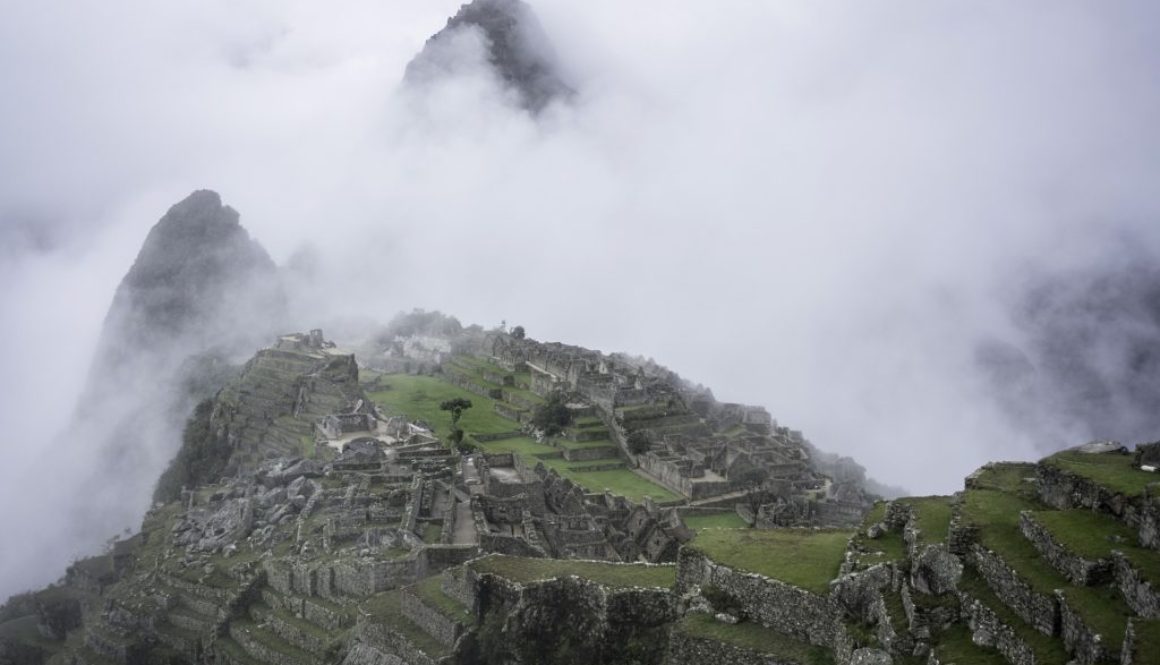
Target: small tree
<point x="639" y="442"/>
<point x="456" y="406"/>
<point x="518" y="332"/>
<point x="552" y="416"/>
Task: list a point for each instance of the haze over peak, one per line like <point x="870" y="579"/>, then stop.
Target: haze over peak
<point x="193" y="262"/>
<point x="513" y="42"/>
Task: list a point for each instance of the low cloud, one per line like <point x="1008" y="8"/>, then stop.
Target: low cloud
<point x="820" y="208"/>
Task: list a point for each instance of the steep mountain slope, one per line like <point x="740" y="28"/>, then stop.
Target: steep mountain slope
<point x="200" y="293"/>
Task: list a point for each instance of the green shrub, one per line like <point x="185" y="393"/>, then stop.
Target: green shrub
<point x="201" y="459"/>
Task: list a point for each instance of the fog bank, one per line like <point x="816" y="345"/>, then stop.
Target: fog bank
<point x="822" y="208"/>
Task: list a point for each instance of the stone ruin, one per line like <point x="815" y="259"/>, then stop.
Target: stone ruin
<point x="698" y="447"/>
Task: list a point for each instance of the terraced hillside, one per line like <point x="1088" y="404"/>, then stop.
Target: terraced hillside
<point x="393" y="548"/>
<point x="1030" y="564"/>
<point x="583" y="453"/>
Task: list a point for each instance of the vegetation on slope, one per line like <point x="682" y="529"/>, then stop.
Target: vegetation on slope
<point x="520" y="569"/>
<point x="201" y="459"/>
<point x="808" y="558"/>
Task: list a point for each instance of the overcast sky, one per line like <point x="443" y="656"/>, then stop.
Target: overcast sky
<point x="818" y="207"/>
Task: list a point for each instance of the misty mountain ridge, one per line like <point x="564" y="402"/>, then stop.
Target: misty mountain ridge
<point x="200" y="294"/>
<point x="199" y="280"/>
<point x="514" y="46"/>
<point x="1087" y="363"/>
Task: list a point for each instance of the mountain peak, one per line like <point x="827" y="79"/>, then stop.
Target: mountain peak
<point x="517" y="50"/>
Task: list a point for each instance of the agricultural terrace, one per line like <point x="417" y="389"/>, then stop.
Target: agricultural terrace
<point x="418" y="399"/>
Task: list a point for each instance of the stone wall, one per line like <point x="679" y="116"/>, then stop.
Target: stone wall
<point x="381" y="638"/>
<point x="511" y="545"/>
<point x="434" y="559"/>
<point x="460" y="585"/>
<point x="445" y="630"/>
<point x="572" y="617"/>
<point x="1039" y="611"/>
<point x="858" y="593"/>
<point x="1138" y="592"/>
<point x="1086" y="646"/>
<point x="688" y="650"/>
<point x="1077" y="569"/>
<point x="498" y="436"/>
<point x="585" y="454"/>
<point x="987" y="629"/>
<point x="772" y="603"/>
<point x="364" y="577"/>
<point x="1063" y="489"/>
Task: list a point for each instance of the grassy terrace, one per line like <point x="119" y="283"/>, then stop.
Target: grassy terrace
<point x="1103" y="609"/>
<point x="1100" y="607"/>
<point x="955" y="646"/>
<point x="887" y="547"/>
<point x="418" y="398"/>
<point x="730" y="520"/>
<point x="622" y="481"/>
<point x="933" y="515"/>
<point x="619" y="575"/>
<point x="582" y="445"/>
<point x="431" y="591"/>
<point x="1047" y="649"/>
<point x="1008" y="477"/>
<point x="1114" y="472"/>
<point x="807" y="558"/>
<point x="998" y="513"/>
<point x="475" y="368"/>
<point x="386" y="609"/>
<point x="1085" y="533"/>
<point x="1147" y="640"/>
<point x="755" y="638"/>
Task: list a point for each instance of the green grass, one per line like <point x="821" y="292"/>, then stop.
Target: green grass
<point x="1047" y="649"/>
<point x="418" y="398"/>
<point x="730" y="520"/>
<point x="808" y="558"/>
<point x="581" y="445"/>
<point x="1008" y="477"/>
<point x="1088" y="534"/>
<point x="1147" y="640"/>
<point x="755" y="637"/>
<point x="1102" y="609"/>
<point x="523" y="446"/>
<point x="619" y="575"/>
<point x="997" y="516"/>
<point x="887" y="547"/>
<point x="895" y="612"/>
<point x="620" y="481"/>
<point x="386" y="609"/>
<point x="432" y="532"/>
<point x="933" y="515"/>
<point x="1112" y="471"/>
<point x="876" y="514"/>
<point x="1094" y="536"/>
<point x="955" y="646"/>
<point x="623" y="482"/>
<point x="997" y="513"/>
<point x="431" y="591"/>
